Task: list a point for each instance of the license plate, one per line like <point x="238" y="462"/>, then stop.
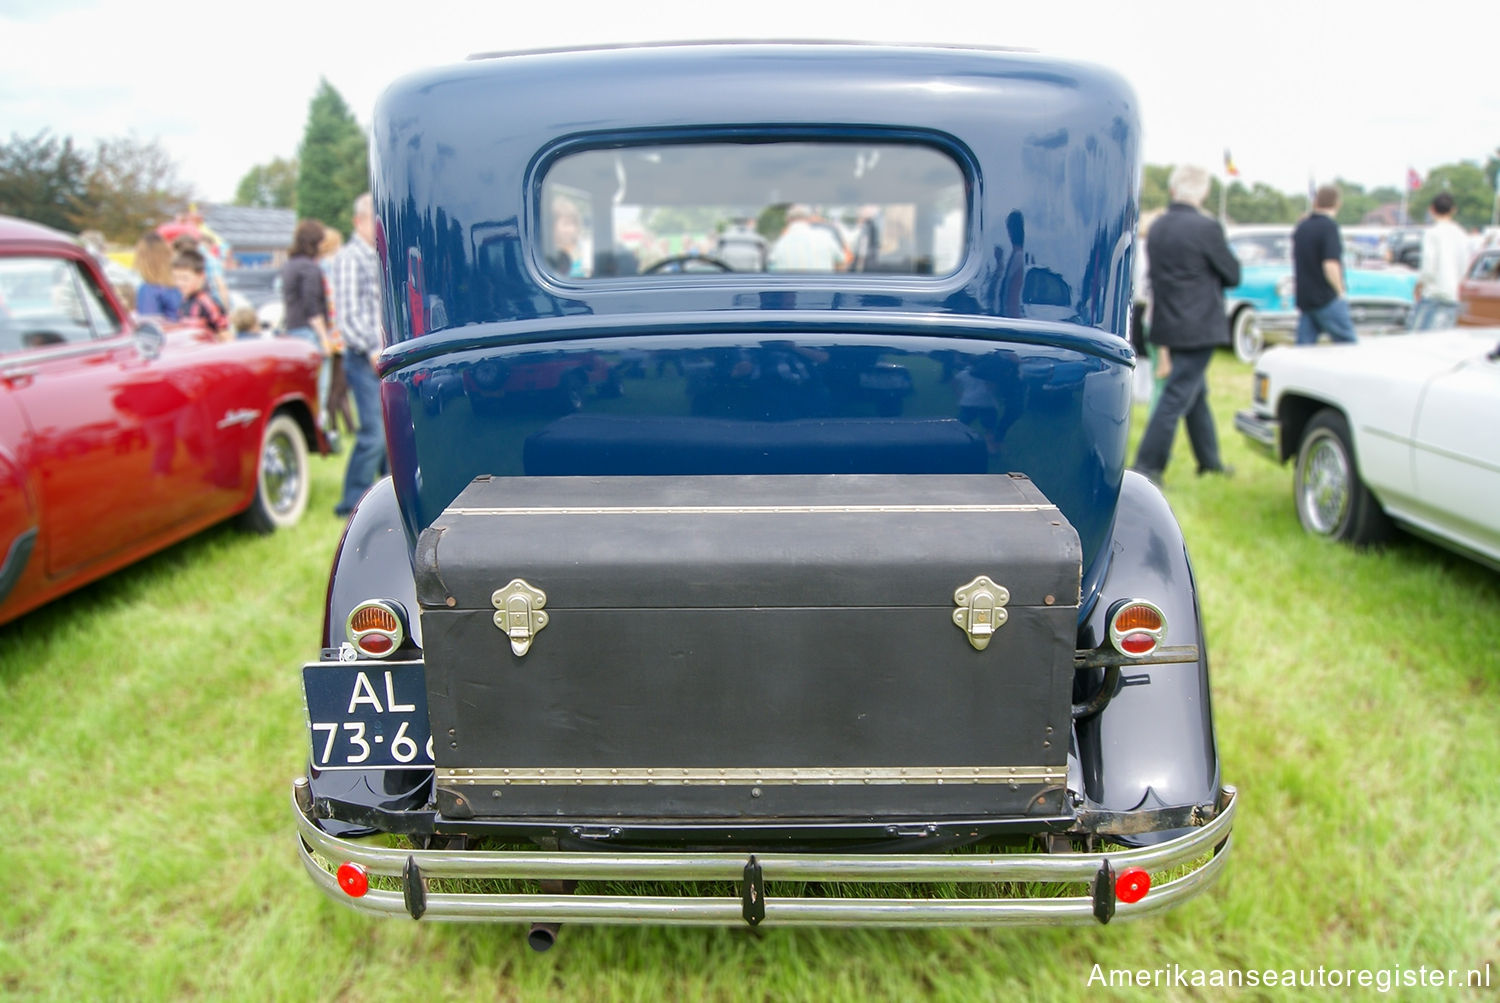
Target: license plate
<point x="367" y="715"/>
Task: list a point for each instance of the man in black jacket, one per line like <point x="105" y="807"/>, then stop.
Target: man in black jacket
<point x="1190" y="267"/>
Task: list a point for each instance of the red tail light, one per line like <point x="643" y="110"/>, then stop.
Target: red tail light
<point x="376" y="627"/>
<point x="376" y="645"/>
<point x="1137" y="628"/>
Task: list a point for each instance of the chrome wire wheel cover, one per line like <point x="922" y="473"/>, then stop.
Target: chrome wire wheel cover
<point x="280" y="474"/>
<point x="1248" y="342"/>
<point x="1325" y="486"/>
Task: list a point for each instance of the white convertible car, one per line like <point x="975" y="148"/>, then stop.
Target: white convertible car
<point x="1401" y="430"/>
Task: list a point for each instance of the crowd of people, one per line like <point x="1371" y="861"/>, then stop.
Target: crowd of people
<point x="331" y="298"/>
<point x="330" y="291"/>
<point x="810" y="240"/>
<point x="181" y="279"/>
<point x="1183" y="269"/>
<point x="330" y="295"/>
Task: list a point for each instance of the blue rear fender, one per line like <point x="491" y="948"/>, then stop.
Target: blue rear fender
<point x="1153" y="745"/>
<point x="372" y="562"/>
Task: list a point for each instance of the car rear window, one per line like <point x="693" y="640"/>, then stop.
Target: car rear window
<point x="723" y="208"/>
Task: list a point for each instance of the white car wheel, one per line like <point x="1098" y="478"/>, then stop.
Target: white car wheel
<point x="1247" y="339"/>
<point x="281" y="477"/>
<point x="1332" y="502"/>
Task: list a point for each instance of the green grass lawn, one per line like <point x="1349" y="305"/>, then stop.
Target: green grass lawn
<point x="152" y="722"/>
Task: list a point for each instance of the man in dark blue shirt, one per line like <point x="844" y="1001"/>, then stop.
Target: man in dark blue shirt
<point x="1318" y="262"/>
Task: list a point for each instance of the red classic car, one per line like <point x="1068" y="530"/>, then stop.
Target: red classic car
<point x="118" y="438"/>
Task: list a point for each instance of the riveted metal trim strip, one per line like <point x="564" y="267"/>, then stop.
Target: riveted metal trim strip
<point x="714" y="776"/>
<point x="748" y="509"/>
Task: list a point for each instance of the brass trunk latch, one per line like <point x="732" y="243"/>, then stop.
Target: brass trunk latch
<point x="981" y="610"/>
<point x="519" y="613"/>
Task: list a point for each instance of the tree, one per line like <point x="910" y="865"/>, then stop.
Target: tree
<point x="1259" y="204"/>
<point x="1473" y="195"/>
<point x="1352" y="202"/>
<point x="131" y="187"/>
<point x="772" y="220"/>
<point x="1492" y="171"/>
<point x="124" y="187"/>
<point x="333" y="162"/>
<point x="697" y="221"/>
<point x="42" y="179"/>
<point x="1154" y="187"/>
<point x="269" y="186"/>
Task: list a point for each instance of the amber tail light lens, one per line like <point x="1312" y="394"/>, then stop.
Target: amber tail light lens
<point x="1137" y="628"/>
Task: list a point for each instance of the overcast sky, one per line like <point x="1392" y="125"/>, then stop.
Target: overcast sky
<point x="1294" y="88"/>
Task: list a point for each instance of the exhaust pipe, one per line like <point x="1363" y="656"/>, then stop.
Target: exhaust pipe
<point x="542" y="936"/>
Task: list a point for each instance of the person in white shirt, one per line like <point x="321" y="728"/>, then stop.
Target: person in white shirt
<point x="741" y="248"/>
<point x="1445" y="258"/>
<point x="805" y="246"/>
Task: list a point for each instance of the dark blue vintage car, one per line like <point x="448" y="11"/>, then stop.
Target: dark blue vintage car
<point x="757" y="417"/>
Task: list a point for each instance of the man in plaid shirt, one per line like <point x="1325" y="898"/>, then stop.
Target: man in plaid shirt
<point x="355" y="282"/>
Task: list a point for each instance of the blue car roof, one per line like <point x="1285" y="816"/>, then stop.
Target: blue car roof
<point x="457" y="154"/>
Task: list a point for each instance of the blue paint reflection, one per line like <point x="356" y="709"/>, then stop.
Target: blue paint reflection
<point x="716" y="404"/>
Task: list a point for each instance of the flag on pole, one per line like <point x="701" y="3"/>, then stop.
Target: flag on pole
<point x="1413" y="179"/>
<point x="1229" y="167"/>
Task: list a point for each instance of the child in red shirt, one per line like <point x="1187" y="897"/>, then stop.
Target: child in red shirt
<point x="188" y="272"/>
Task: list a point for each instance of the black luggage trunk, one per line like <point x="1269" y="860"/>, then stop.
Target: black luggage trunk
<point x="750" y="649"/>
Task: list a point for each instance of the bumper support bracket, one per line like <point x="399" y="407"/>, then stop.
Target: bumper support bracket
<point x="1104" y="892"/>
<point x="413" y="888"/>
<point x="754" y="894"/>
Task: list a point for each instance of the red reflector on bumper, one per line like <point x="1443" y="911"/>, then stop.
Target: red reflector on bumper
<point x="1132" y="884"/>
<point x="353" y="879"/>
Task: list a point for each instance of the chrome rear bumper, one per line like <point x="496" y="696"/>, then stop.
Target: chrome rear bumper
<point x="415" y="869"/>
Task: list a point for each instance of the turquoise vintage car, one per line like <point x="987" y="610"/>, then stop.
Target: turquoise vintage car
<point x="1262" y="309"/>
